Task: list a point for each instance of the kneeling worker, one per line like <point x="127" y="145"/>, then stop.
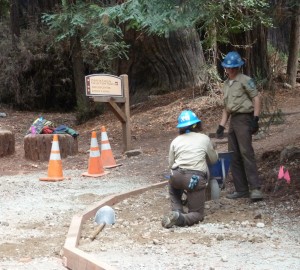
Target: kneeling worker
<point x="188" y="156"/>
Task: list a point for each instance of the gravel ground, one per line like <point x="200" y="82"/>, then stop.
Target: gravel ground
<point x="35" y="216"/>
<point x="234" y="235"/>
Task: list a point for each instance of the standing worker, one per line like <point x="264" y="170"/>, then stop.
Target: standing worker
<point x="188" y="157"/>
<point x="242" y="104"/>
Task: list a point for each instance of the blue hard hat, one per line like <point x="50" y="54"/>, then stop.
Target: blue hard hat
<point x="187" y="118"/>
<point x="232" y="60"/>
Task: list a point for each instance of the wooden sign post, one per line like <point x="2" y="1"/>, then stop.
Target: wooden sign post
<point x="113" y="90"/>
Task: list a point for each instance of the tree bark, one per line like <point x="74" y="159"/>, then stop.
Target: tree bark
<point x="252" y="46"/>
<point x="257" y="63"/>
<point x="78" y="72"/>
<point x="7" y="143"/>
<point x="278" y="35"/>
<point x="159" y="65"/>
<point x="38" y="147"/>
<point x="14" y="22"/>
<point x="82" y="100"/>
<point x="294" y="47"/>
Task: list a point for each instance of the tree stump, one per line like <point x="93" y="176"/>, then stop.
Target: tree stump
<point x="7" y="143"/>
<point x="38" y="147"/>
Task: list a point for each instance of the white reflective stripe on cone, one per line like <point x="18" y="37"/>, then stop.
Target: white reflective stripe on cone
<point x="55" y="146"/>
<point x="54" y="156"/>
<point x="94" y="142"/>
<point x="94" y="154"/>
<point x="104" y="136"/>
<point x="105" y="146"/>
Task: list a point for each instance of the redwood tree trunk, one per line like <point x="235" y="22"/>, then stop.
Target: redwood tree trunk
<point x="278" y="35"/>
<point x="14" y="22"/>
<point x="252" y="46"/>
<point x="82" y="101"/>
<point x="159" y="65"/>
<point x="257" y="64"/>
<point x="294" y="47"/>
<point x="78" y="71"/>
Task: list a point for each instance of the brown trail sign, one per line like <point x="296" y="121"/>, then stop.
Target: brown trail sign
<point x="113" y="90"/>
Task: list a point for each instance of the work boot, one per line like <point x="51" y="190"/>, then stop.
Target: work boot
<point x="173" y="218"/>
<point x="238" y="194"/>
<point x="256" y="194"/>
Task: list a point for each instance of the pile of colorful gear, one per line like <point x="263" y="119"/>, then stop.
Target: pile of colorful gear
<point x="43" y="126"/>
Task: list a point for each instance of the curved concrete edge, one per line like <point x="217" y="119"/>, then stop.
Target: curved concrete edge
<point x="76" y="259"/>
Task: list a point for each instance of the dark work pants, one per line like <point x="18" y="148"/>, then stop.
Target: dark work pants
<point x="179" y="182"/>
<point x="243" y="164"/>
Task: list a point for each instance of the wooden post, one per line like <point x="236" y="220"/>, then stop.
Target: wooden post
<point x="126" y="127"/>
<point x="122" y="112"/>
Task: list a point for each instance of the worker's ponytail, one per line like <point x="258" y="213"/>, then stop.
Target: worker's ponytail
<point x="193" y="128"/>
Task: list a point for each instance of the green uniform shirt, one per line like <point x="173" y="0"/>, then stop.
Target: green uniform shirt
<point x="238" y="94"/>
<point x="192" y="151"/>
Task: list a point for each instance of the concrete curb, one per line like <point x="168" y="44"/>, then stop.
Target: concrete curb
<point x="76" y="259"/>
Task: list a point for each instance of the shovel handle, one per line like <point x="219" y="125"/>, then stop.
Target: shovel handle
<point x="97" y="231"/>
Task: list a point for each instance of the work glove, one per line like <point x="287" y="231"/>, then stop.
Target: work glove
<point x="193" y="182"/>
<point x="220" y="132"/>
<point x="254" y="124"/>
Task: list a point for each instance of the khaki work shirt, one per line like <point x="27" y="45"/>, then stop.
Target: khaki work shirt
<point x="192" y="151"/>
<point x="238" y="94"/>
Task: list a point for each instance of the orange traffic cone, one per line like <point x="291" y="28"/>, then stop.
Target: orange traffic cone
<point x="55" y="172"/>
<point x="107" y="156"/>
<point x="95" y="168"/>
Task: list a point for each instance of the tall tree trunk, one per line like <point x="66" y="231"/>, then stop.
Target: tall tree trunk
<point x="78" y="71"/>
<point x="278" y="35"/>
<point x="257" y="54"/>
<point x="294" y="47"/>
<point x="14" y="22"/>
<point x="252" y="46"/>
<point x="82" y="100"/>
<point x="158" y="65"/>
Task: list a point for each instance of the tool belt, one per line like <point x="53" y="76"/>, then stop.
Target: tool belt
<point x="239" y="113"/>
<point x="187" y="171"/>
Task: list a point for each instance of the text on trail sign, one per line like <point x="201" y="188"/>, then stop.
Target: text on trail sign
<point x="103" y="85"/>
